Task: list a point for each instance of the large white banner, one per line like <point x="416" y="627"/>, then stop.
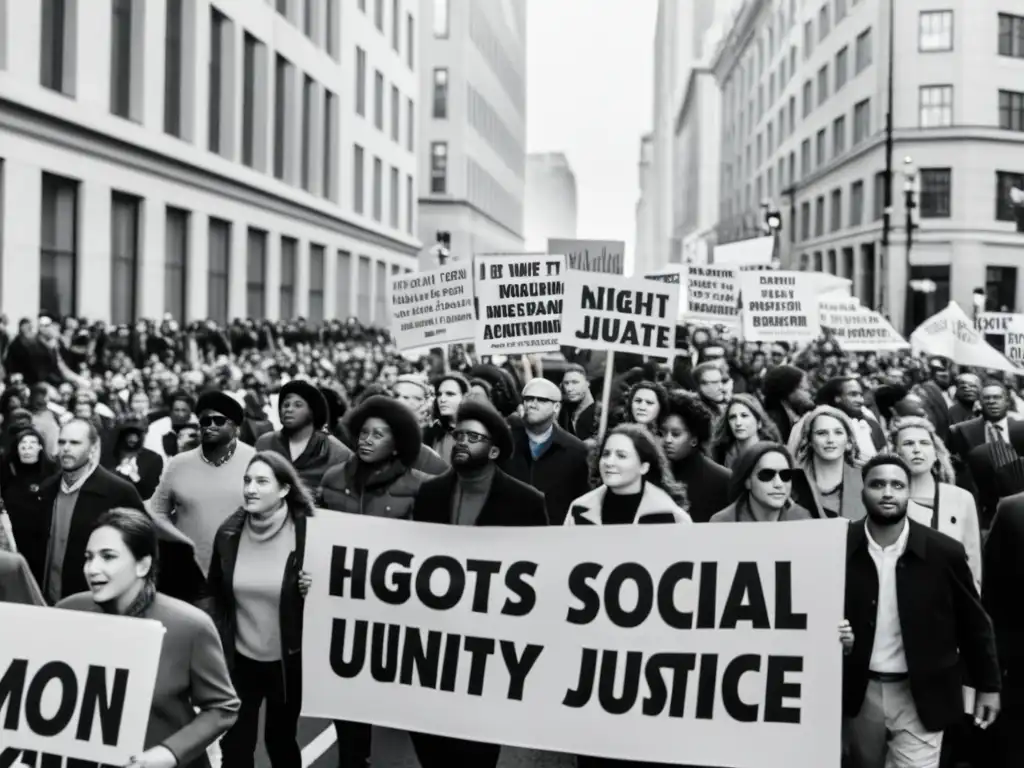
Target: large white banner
<point x="519" y="299"/>
<point x="745" y="255"/>
<point x="431" y="308"/>
<point x="951" y="334"/>
<point x="857" y="328"/>
<point x="712" y="645"/>
<point x="75" y="685"/>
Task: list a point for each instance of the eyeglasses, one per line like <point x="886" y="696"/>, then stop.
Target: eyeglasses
<point x="527" y="399"/>
<point x="767" y="475"/>
<point x="212" y="421"/>
<point x="465" y="436"/>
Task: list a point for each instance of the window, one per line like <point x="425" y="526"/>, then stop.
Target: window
<point x="250" y="58"/>
<point x="57" y="48"/>
<point x="822" y="85"/>
<point x="1000" y="289"/>
<point x="280" y="114"/>
<point x="936" y="186"/>
<point x="805" y="221"/>
<point x="176" y="263"/>
<point x="839" y="136"/>
<point x="378" y="189"/>
<point x="856" y="204"/>
<point x="256" y="274"/>
<point x="124" y="257"/>
<point x="173" y="36"/>
<point x="805" y="158"/>
<point x="842" y="67"/>
<point x="330" y="170"/>
<point x="121" y="58"/>
<point x="823" y="22"/>
<point x="937" y="105"/>
<point x="58" y="253"/>
<point x="396" y="114"/>
<point x="363" y="287"/>
<point x="792" y="60"/>
<point x="289" y="266"/>
<point x="316" y="283"/>
<point x="307" y="19"/>
<point x="343" y="285"/>
<point x="410" y="128"/>
<point x="1011" y="111"/>
<point x="1011" y="35"/>
<point x="440" y="18"/>
<point x="935" y="31"/>
<point x="306" y="139"/>
<point x="840" y="13"/>
<point x="879" y="201"/>
<point x="439" y="167"/>
<point x="410" y="41"/>
<point x="818" y="266"/>
<point x="863" y="51"/>
<point x="441" y="93"/>
<point x="396" y="24"/>
<point x="819" y="217"/>
<point x="861" y="121"/>
<point x="835" y="212"/>
<point x="218" y="32"/>
<point x="331" y="21"/>
<point x="808" y="39"/>
<point x="378" y="14"/>
<point x="410" y="203"/>
<point x="378" y="100"/>
<point x="282" y="7"/>
<point x="820" y="151"/>
<point x="808" y="98"/>
<point x="1004" y="183"/>
<point x="358" y="182"/>
<point x="218" y="270"/>
<point x="360" y="82"/>
<point x="393" y="193"/>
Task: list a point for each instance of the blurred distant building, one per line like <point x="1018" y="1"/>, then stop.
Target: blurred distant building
<point x="643" y="243"/>
<point x="550" y="199"/>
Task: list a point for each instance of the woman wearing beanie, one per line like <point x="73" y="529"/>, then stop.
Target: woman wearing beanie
<point x="194" y="703"/>
<point x="257" y="588"/>
<point x="451" y="388"/>
<point x="762" y="485"/>
<point x="787" y="397"/>
<point x="301" y="439"/>
<point x="828" y="481"/>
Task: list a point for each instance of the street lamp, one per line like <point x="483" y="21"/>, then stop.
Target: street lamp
<point x="978" y="298"/>
<point x="1017" y="203"/>
<point x="910" y="204"/>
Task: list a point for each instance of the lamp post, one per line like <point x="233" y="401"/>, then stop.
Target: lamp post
<point x="772" y="226"/>
<point x="910" y="203"/>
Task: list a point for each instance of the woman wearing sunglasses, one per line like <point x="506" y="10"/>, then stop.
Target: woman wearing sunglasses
<point x="762" y="485"/>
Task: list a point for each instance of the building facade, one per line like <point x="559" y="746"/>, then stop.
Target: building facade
<point x="550" y="204"/>
<point x="804" y="102"/>
<point x="645" y="232"/>
<point x="206" y="158"/>
<point x="473" y="125"/>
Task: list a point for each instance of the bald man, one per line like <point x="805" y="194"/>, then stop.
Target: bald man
<point x="546" y="456"/>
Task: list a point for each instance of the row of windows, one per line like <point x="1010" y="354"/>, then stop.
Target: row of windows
<point x="395" y="108"/>
<point x="395" y="27"/>
<point x="486" y="122"/>
<point x="59" y="263"/>
<point x="493" y="50"/>
<point x="319" y="21"/>
<point x="359" y="160"/>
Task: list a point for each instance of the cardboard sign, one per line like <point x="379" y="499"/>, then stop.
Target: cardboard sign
<point x="951" y="334"/>
<point x="857" y="328"/>
<point x="780" y="306"/>
<point x="606" y="256"/>
<point x="621" y="314"/>
<point x="519" y="301"/>
<point x="717" y="646"/>
<point x="712" y="296"/>
<point x="1009" y="325"/>
<point x="76" y="685"/>
<point x="430" y="308"/>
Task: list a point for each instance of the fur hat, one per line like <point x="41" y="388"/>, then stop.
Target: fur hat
<point x="314" y="399"/>
<point x="403" y="425"/>
<point x="485" y="413"/>
<point x="215" y="400"/>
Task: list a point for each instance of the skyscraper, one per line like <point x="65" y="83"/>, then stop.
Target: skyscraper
<point x="550" y="199"/>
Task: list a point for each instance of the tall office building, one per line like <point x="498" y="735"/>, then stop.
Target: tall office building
<point x="645" y="234"/>
<point x="472" y="125"/>
<point x="804" y="100"/>
<point x="206" y="158"/>
<point x="550" y="209"/>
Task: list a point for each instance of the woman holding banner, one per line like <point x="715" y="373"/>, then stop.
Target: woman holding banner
<point x="636" y="483"/>
<point x="762" y="486"/>
<point x="743" y="423"/>
<point x="828" y="481"/>
<point x="194" y="703"/>
<point x="257" y="588"/>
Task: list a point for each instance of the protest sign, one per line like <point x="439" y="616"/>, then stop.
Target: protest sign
<point x="857" y="328"/>
<point x="704" y="645"/>
<point x="951" y="334"/>
<point x="665" y="275"/>
<point x="620" y="314"/>
<point x="1010" y="326"/>
<point x="75" y="685"/>
<point x="712" y="296"/>
<point x="519" y="300"/>
<point x="780" y="306"/>
<point x="750" y="255"/>
<point x="607" y="256"/>
<point x="434" y="307"/>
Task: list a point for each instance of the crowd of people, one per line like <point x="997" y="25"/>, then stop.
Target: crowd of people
<point x="168" y="473"/>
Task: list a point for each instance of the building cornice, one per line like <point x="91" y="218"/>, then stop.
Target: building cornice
<point x="451" y="202"/>
<point x="734" y="43"/>
<point x="34" y="124"/>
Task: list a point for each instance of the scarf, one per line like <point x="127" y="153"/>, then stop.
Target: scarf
<point x="139" y="605"/>
<point x="265" y="528"/>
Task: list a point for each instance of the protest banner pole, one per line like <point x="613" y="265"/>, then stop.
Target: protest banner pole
<point x="606" y="393"/>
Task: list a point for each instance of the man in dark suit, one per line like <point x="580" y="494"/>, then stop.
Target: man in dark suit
<point x="968" y="387"/>
<point x="1001" y="596"/>
<point x="915" y="617"/>
<point x="545" y="456"/>
<point x="474" y="492"/>
<point x="578" y="415"/>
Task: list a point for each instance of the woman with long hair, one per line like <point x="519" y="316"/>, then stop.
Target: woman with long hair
<point x="935" y="499"/>
<point x="450" y="389"/>
<point x="24" y="468"/>
<point x="636" y="483"/>
<point x="762" y="487"/>
<point x="685" y="428"/>
<point x="194" y="703"/>
<point x="828" y="481"/>
<point x="256" y="590"/>
<point x="644" y="403"/>
<point x="742" y="424"/>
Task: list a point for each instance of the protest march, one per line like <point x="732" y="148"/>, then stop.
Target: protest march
<point x="403" y="532"/>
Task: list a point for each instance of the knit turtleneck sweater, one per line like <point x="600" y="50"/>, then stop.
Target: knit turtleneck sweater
<point x="620" y="508"/>
<point x="470" y="493"/>
<point x="263" y="550"/>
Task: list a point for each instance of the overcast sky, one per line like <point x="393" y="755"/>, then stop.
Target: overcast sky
<point x="590" y="82"/>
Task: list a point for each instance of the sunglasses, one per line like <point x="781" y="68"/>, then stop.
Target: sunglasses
<point x="767" y="475"/>
<point x="212" y="421"/>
